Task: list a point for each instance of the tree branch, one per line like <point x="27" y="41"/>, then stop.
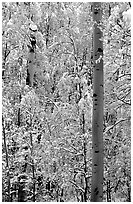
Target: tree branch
<point x="125" y="75"/>
<point x="127" y="103"/>
<point x="77" y="186"/>
<point x="112" y="126"/>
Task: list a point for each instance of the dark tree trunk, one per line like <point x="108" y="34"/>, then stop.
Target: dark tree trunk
<point x="7" y="161"/>
<point x="128" y="192"/>
<point x="21" y="193"/>
<point x="109" y="10"/>
<point x="31" y="61"/>
<point x="19" y="111"/>
<point x="85" y="163"/>
<point x="108" y="191"/>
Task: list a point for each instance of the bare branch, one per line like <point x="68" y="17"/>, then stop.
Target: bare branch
<point x="125" y="75"/>
<point x="77" y="186"/>
<point x="112" y="126"/>
<point x="125" y="102"/>
<point x="67" y="150"/>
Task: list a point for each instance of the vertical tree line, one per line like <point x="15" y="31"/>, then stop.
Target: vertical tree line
<point x="97" y="118"/>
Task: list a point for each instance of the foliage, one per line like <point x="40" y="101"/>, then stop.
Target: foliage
<point x="47" y="127"/>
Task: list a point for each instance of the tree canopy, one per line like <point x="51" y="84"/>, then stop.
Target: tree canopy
<point x="47" y="92"/>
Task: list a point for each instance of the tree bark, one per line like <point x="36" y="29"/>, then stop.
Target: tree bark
<point x="31" y="59"/>
<point x="33" y="172"/>
<point x="19" y="111"/>
<point x="7" y="161"/>
<point x="97" y="121"/>
<point x="21" y="192"/>
<point x="85" y="162"/>
<point x="128" y="191"/>
<point x="108" y="191"/>
<point x="30" y="70"/>
<point x="33" y="166"/>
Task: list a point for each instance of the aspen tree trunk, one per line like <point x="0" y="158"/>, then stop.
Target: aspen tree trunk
<point x="97" y="121"/>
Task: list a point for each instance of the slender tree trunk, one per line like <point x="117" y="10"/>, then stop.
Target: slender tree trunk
<point x="108" y="191"/>
<point x="85" y="172"/>
<point x="85" y="163"/>
<point x="31" y="60"/>
<point x="97" y="121"/>
<point x="19" y="111"/>
<point x="128" y="192"/>
<point x="20" y="62"/>
<point x="7" y="161"/>
<point x="6" y="53"/>
<point x="30" y="70"/>
<point x="33" y="167"/>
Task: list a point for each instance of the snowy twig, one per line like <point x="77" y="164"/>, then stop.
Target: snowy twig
<point x="77" y="186"/>
<point x="111" y="127"/>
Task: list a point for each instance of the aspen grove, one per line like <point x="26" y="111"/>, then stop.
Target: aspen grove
<point x="66" y="102"/>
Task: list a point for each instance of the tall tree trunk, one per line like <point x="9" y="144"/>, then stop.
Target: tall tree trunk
<point x="85" y="162"/>
<point x="7" y="161"/>
<point x="97" y="121"/>
<point x="20" y="62"/>
<point x="33" y="166"/>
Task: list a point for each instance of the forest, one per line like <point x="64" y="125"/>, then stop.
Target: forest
<point x="66" y="101"/>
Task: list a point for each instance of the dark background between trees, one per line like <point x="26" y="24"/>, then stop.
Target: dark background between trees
<point x="47" y="69"/>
